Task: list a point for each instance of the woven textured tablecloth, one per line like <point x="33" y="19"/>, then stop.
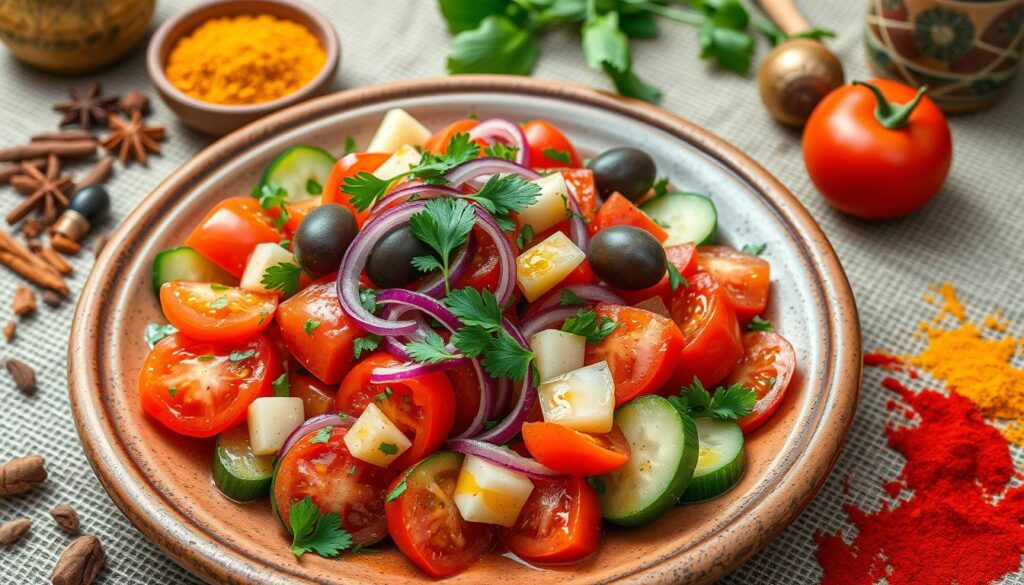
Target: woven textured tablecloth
<point x="970" y="234"/>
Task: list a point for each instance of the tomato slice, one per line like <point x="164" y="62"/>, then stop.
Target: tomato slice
<point x="641" y="352"/>
<point x="214" y="312"/>
<point x="766" y="368"/>
<point x="574" y="453"/>
<point x="618" y="210"/>
<point x="201" y="389"/>
<point x="423" y="408"/>
<point x="683" y="257"/>
<point x="549" y="148"/>
<point x="745" y="277"/>
<point x="712" y="333"/>
<point x="229" y="232"/>
<point x="582" y="181"/>
<point x="466" y="389"/>
<point x="438" y="143"/>
<point x="560" y="522"/>
<point x="347" y="166"/>
<point x="326" y="349"/>
<point x="336" y="482"/>
<point x="483" y="272"/>
<point x="426" y="525"/>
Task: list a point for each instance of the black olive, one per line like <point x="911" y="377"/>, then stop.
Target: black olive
<point x="390" y="262"/>
<point x="627" y="257"/>
<point x="323" y="237"/>
<point x="626" y="170"/>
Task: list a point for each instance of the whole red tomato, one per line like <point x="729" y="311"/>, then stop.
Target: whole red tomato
<point x="876" y="150"/>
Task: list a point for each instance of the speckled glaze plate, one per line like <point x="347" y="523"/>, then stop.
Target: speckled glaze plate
<point x="162" y="482"/>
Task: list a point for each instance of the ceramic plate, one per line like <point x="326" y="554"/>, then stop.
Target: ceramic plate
<point x="162" y="482"/>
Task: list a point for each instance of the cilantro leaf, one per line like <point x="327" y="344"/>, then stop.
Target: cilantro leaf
<point x="660" y="187"/>
<point x="726" y="403"/>
<point x="155" y="332"/>
<point x="368" y="299"/>
<point x="629" y="84"/>
<point x="754" y="249"/>
<point x="282" y="277"/>
<point x="461" y="15"/>
<point x="323" y="435"/>
<point x="315" y="532"/>
<point x="350" y="145"/>
<point x="388" y="448"/>
<point x="364" y="188"/>
<point x="505" y="194"/>
<point x="501" y="150"/>
<point x="731" y="49"/>
<point x="505" y="357"/>
<point x="604" y="43"/>
<point x="472" y="341"/>
<point x="497" y="45"/>
<point x="271" y="196"/>
<point x="585" y="324"/>
<point x="365" y="344"/>
<point x="676" y="280"/>
<point x="759" y="324"/>
<point x="310" y="326"/>
<point x="282" y="387"/>
<point x="559" y="155"/>
<point x="238" y="356"/>
<point x="443" y="224"/>
<point x="568" y="298"/>
<point x="431" y="350"/>
<point x="475" y="308"/>
<point x="524" y="237"/>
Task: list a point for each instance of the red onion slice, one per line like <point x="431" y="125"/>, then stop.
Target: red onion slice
<point x="312" y="425"/>
<point x="587" y="292"/>
<point x="504" y="457"/>
<point x="577" y="227"/>
<point x="421" y="191"/>
<point x="501" y="393"/>
<point x="506" y="255"/>
<point x="433" y="285"/>
<point x="510" y="426"/>
<point x="546" y="319"/>
<point x="504" y="131"/>
<point x="482" y="167"/>
<point x="412" y="369"/>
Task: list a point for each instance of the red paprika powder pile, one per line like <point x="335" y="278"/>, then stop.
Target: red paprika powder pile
<point x="962" y="524"/>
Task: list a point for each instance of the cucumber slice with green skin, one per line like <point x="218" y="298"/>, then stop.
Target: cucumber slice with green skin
<point x="720" y="459"/>
<point x="299" y="170"/>
<point x="687" y="217"/>
<point x="184" y="263"/>
<point x="663" y="443"/>
<point x="237" y="472"/>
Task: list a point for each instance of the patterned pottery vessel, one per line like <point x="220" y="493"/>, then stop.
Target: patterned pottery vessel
<point x="966" y="51"/>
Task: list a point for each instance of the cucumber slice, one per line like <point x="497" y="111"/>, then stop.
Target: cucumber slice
<point x="687" y="217"/>
<point x="719" y="462"/>
<point x="184" y="263"/>
<point x="663" y="443"/>
<point x="237" y="472"/>
<point x="299" y="170"/>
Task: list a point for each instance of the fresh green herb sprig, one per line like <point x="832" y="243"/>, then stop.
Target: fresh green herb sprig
<point x="586" y="325"/>
<point x="444" y="225"/>
<point x="272" y="196"/>
<point x="284" y="277"/>
<point x="760" y="324"/>
<point x="726" y="403"/>
<point x="505" y="194"/>
<point x="316" y="532"/>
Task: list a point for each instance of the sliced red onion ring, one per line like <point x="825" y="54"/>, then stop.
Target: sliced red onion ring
<point x="501" y="393"/>
<point x="482" y="167"/>
<point x="510" y="426"/>
<point x="506" y="255"/>
<point x="421" y="302"/>
<point x="587" y="292"/>
<point x="549" y="318"/>
<point x="312" y="425"/>
<point x="504" y="131"/>
<point x="412" y="369"/>
<point x="487" y="396"/>
<point x="421" y="190"/>
<point x="502" y="456"/>
<point x="577" y="227"/>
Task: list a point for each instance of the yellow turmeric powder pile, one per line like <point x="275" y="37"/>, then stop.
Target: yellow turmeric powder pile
<point x="974" y="365"/>
<point x="245" y="60"/>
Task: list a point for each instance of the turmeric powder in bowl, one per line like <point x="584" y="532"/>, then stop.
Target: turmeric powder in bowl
<point x="245" y="59"/>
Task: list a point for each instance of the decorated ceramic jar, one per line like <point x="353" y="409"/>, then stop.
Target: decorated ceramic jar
<point x="966" y="51"/>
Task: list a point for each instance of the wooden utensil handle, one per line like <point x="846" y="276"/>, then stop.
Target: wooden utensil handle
<point x="785" y="15"/>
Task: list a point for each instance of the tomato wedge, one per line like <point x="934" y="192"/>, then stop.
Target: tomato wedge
<point x="549" y="148"/>
<point x="426" y="525"/>
<point x="483" y="272"/>
<point x="618" y="210"/>
<point x="326" y="348"/>
<point x="336" y="482"/>
<point x="708" y="322"/>
<point x="745" y="277"/>
<point x="766" y="368"/>
<point x="560" y="522"/>
<point x="466" y="388"/>
<point x="347" y="166"/>
<point x="642" y="351"/>
<point x="201" y="389"/>
<point x="423" y="407"/>
<point x="574" y="453"/>
<point x="214" y="312"/>
<point x="230" y="231"/>
<point x="683" y="257"/>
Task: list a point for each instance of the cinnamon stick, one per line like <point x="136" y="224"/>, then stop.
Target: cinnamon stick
<point x="98" y="174"/>
<point x="54" y="259"/>
<point x="63" y="135"/>
<point x="10" y="170"/>
<point x="65" y="245"/>
<point x="16" y="257"/>
<point x="73" y="148"/>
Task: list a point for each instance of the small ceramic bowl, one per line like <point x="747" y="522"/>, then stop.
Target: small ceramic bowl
<point x="219" y="119"/>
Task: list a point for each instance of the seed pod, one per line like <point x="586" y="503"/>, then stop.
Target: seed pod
<point x="80" y="563"/>
<point x="65" y="517"/>
<point x="23" y="374"/>
<point x="12" y="531"/>
<point x="18" y="476"/>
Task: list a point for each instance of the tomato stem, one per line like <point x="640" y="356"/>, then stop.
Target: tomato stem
<point x="892" y="116"/>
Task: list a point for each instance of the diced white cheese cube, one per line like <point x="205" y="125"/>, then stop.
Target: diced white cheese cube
<point x="374" y="439"/>
<point x="557" y="352"/>
<point x="271" y="420"/>
<point x="583" y="399"/>
<point x="489" y="493"/>
<point x="263" y="256"/>
<point x="550" y="207"/>
<point x="398" y="127"/>
<point x="543" y="266"/>
<point x="401" y="161"/>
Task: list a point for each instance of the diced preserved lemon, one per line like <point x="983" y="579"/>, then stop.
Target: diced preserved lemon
<point x="543" y="266"/>
<point x="374" y="439"/>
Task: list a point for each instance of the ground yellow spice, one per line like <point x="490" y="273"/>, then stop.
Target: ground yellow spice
<point x="973" y="365"/>
<point x="245" y="60"/>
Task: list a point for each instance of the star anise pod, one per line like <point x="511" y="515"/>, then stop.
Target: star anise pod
<point x="47" y="190"/>
<point x="132" y="139"/>
<point x="87" y="107"/>
<point x="134" y="101"/>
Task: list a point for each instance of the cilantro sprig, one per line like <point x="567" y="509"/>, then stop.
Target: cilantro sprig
<point x="505" y="194"/>
<point x="726" y="403"/>
<point x="586" y="325"/>
<point x="283" y="277"/>
<point x="444" y="225"/>
<point x="271" y="196"/>
<point x="316" y="532"/>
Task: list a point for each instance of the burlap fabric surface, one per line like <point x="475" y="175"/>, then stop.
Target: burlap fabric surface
<point x="971" y="235"/>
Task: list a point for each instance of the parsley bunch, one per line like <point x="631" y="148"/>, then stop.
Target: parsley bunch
<point x="726" y="403"/>
<point x="497" y="36"/>
<point x="316" y="532"/>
